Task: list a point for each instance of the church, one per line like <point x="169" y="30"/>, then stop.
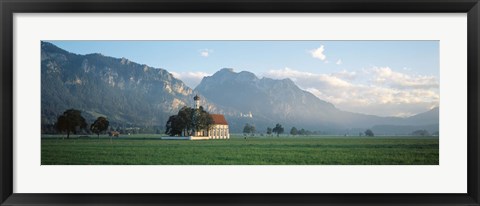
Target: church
<point x="219" y="127"/>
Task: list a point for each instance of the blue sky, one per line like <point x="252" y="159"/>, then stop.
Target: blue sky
<point x="399" y="78"/>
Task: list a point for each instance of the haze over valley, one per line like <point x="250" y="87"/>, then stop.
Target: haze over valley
<point x="131" y="94"/>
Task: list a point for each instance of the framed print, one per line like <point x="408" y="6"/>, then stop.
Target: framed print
<point x="264" y="102"/>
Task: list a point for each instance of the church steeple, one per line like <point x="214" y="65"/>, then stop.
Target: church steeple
<point x="197" y="101"/>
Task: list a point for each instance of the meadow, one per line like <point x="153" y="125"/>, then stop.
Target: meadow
<point x="313" y="150"/>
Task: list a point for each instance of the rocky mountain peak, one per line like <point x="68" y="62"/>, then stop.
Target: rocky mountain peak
<point x="128" y="93"/>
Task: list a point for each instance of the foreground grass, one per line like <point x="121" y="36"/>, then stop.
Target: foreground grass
<point x="150" y="150"/>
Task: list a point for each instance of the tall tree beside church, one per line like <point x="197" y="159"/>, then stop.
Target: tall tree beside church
<point x="185" y="116"/>
<point x="100" y="125"/>
<point x="70" y="121"/>
<point x="187" y="120"/>
<point x="174" y="126"/>
<point x="203" y="120"/>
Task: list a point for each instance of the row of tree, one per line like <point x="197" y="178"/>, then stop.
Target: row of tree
<point x="250" y="130"/>
<point x="278" y="129"/>
<point x="72" y="121"/>
<point x="122" y="128"/>
<point x="294" y="131"/>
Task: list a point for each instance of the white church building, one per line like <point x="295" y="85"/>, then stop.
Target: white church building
<point x="218" y="129"/>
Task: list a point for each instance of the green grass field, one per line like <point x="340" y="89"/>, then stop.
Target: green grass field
<point x="320" y="150"/>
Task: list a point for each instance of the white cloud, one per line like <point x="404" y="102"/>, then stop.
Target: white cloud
<point x="339" y="61"/>
<point x="318" y="53"/>
<point x="387" y="76"/>
<point x="306" y="79"/>
<point x="191" y="79"/>
<point x="344" y="74"/>
<point x="205" y="52"/>
<point x="397" y="94"/>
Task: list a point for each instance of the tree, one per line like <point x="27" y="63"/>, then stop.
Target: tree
<point x="269" y="130"/>
<point x="302" y="132"/>
<point x="249" y="129"/>
<point x="246" y="129"/>
<point x="202" y="119"/>
<point x="253" y="130"/>
<point x="100" y="125"/>
<point x="70" y="121"/>
<point x="369" y="133"/>
<point x="278" y="129"/>
<point x="174" y="127"/>
<point x="421" y="132"/>
<point x="294" y="131"/>
<point x="187" y="121"/>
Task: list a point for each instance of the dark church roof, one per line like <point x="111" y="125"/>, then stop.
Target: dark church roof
<point x="219" y="119"/>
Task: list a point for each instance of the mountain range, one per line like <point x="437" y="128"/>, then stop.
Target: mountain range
<point x="133" y="94"/>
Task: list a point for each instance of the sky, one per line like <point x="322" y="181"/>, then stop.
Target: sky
<point x="384" y="78"/>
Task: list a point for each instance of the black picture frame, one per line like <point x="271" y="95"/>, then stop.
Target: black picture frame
<point x="10" y="7"/>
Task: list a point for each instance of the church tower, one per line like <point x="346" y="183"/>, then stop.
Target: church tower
<point x="197" y="101"/>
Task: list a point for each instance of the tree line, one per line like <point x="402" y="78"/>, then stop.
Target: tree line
<point x="249" y="129"/>
<point x="72" y="121"/>
<point x="278" y="129"/>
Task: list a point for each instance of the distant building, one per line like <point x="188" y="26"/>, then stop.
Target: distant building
<point x="249" y="115"/>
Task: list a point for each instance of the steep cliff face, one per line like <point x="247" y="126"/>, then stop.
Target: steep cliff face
<point x="124" y="91"/>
